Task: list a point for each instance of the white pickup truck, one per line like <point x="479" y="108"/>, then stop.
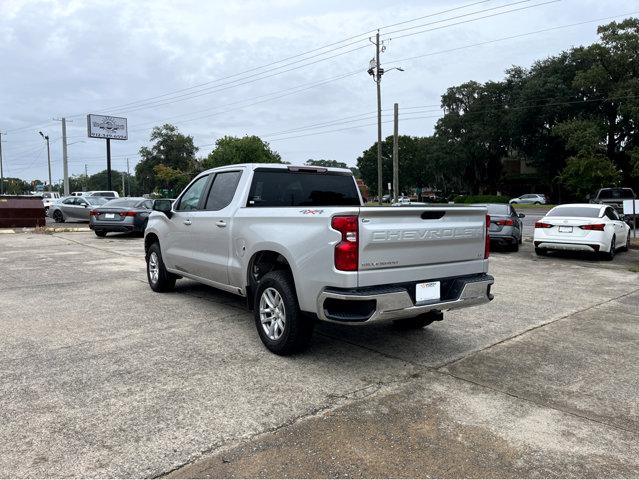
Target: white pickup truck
<point x="298" y="243"/>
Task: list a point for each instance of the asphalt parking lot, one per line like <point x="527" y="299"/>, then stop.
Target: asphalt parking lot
<point x="101" y="377"/>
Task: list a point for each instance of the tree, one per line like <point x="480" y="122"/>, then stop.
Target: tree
<point x="233" y="150"/>
<point x="15" y="186"/>
<point x="587" y="172"/>
<point x="172" y="150"/>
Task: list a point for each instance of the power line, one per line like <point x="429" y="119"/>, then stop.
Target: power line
<point x="314" y="50"/>
<point x="259" y="76"/>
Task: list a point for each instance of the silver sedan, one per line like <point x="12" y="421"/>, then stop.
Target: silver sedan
<point x="74" y="208"/>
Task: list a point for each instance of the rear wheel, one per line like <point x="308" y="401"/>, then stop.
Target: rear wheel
<point x="515" y="246"/>
<point x="159" y="278"/>
<point x="626" y="247"/>
<point x="537" y="203"/>
<point x="58" y="217"/>
<point x="611" y="254"/>
<point x="280" y="324"/>
<point x="100" y="233"/>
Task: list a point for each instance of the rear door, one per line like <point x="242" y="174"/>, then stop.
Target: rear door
<point x="420" y="243"/>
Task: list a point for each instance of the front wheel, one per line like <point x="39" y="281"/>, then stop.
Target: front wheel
<point x="542" y="252"/>
<point x="160" y="279"/>
<point x="280" y="324"/>
<point x="58" y="217"/>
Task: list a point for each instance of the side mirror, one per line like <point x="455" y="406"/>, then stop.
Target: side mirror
<point x="164" y="206"/>
<point x="521" y="215"/>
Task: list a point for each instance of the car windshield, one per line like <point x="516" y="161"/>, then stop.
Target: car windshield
<point x="123" y="202"/>
<point x="96" y="200"/>
<point x="569" y="211"/>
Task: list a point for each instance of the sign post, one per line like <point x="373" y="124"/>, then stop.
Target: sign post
<point x="107" y="127"/>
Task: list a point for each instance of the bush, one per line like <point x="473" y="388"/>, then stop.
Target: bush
<point x="481" y="199"/>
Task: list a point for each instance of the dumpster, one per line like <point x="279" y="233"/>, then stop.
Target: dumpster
<point x="21" y="211"/>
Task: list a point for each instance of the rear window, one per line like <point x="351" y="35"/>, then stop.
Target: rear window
<point x="588" y="212"/>
<point x="95" y="200"/>
<point x="616" y="193"/>
<point x="498" y="210"/>
<point x="123" y="203"/>
<point x="282" y="188"/>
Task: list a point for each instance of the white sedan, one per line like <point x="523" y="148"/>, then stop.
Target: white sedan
<point x="582" y="227"/>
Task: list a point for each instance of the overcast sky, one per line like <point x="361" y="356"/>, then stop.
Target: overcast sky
<point x="167" y="61"/>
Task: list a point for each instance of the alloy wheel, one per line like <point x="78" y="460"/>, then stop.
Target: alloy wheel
<point x="154" y="267"/>
<point x="272" y="313"/>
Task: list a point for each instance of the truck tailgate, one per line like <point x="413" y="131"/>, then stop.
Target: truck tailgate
<point x="420" y="243"/>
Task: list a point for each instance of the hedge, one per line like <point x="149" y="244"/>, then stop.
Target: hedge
<point x="481" y="199"/>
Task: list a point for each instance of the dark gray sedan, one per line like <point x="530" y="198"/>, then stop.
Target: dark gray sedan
<point x="129" y="214"/>
<point x="506" y="227"/>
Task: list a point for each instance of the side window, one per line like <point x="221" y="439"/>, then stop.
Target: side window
<point x="191" y="198"/>
<point x="611" y="214"/>
<point x="81" y="201"/>
<point x="222" y="190"/>
<point x="69" y="201"/>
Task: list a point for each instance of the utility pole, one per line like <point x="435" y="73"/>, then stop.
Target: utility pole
<point x="46" y="138"/>
<point x="1" y="170"/>
<point x="86" y="178"/>
<point x="123" y="190"/>
<point x="128" y="176"/>
<point x="378" y="81"/>
<point x="65" y="157"/>
<point x="395" y="152"/>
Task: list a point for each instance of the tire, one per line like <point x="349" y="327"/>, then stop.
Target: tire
<point x="537" y="203"/>
<point x="515" y="246"/>
<point x="58" y="217"/>
<point x="100" y="233"/>
<point x="521" y="239"/>
<point x="542" y="252"/>
<point x="626" y="247"/>
<point x="418" y="322"/>
<point x="611" y="254"/>
<point x="160" y="280"/>
<point x="280" y="324"/>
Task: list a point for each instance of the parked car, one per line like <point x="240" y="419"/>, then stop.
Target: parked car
<point x="582" y="227"/>
<point x="612" y="196"/>
<point x="78" y="194"/>
<point x="48" y="199"/>
<point x="128" y="214"/>
<point x="531" y="199"/>
<point x="102" y="193"/>
<point x="74" y="208"/>
<point x="299" y="245"/>
<point x="506" y="227"/>
<point x="409" y="204"/>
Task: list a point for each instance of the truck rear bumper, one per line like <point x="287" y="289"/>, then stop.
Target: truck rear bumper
<point x="376" y="304"/>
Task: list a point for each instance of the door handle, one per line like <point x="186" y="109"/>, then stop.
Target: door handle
<point x="187" y="222"/>
<point x="221" y="223"/>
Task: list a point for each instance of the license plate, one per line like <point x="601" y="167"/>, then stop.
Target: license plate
<point x="109" y="215"/>
<point x="565" y="229"/>
<point x="428" y="291"/>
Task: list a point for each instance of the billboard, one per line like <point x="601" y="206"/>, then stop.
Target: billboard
<point x="104" y="126"/>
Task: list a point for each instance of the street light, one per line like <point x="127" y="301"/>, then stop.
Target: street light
<point x="46" y="138"/>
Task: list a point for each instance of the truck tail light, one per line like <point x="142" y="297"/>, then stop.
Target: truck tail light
<point x="347" y="250"/>
<point x="599" y="227"/>
<point x="505" y="223"/>
<point x="487" y="245"/>
<point x="542" y="225"/>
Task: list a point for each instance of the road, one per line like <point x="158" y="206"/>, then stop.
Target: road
<point x="101" y="377"/>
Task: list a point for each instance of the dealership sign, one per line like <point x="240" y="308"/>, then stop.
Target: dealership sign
<point x="104" y="126"/>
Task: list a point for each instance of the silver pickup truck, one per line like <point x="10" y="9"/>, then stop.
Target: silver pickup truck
<point x="298" y="243"/>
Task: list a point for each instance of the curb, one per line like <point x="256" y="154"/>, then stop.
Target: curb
<point x="4" y="231"/>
